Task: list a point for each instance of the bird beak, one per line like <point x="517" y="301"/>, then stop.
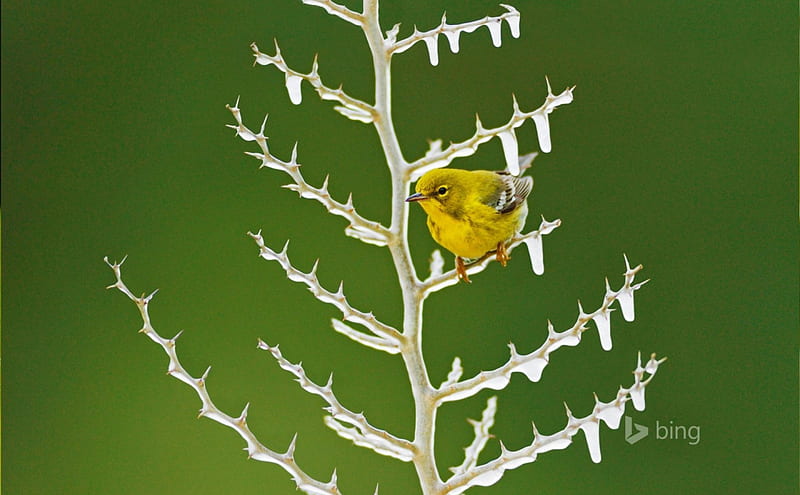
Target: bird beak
<point x="416" y="197"/>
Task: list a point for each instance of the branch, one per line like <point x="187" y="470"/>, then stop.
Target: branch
<point x="364" y="434"/>
<point x="455" y="373"/>
<point x="391" y="346"/>
<point x="481" y="429"/>
<point x="505" y="133"/>
<point x="360" y="228"/>
<point x="452" y="33"/>
<point x="337" y="298"/>
<point x="610" y="413"/>
<point x="438" y="281"/>
<point x="339" y="11"/>
<point x="255" y="449"/>
<point x="532" y="365"/>
<point x="351" y="108"/>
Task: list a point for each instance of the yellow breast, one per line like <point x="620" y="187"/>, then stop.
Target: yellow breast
<point x="474" y="233"/>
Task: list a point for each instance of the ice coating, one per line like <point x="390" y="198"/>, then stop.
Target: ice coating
<point x="603" y="322"/>
<point x="625" y="299"/>
<point x="453" y="39"/>
<point x="293" y="87"/>
<point x="494" y="30"/>
<point x="532" y="369"/>
<point x="542" y="120"/>
<point x="432" y="43"/>
<point x="510" y="151"/>
<point x="591" y="430"/>
<point x="543" y="131"/>
<point x="536" y="252"/>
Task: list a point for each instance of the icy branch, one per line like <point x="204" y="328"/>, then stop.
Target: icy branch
<point x="609" y="413"/>
<point x="337" y="298"/>
<point x="455" y="373"/>
<point x="363" y="434"/>
<point x="506" y="134"/>
<point x="351" y="108"/>
<point x="436" y="263"/>
<point x="255" y="449"/>
<point x="408" y="344"/>
<point x="360" y="228"/>
<point x="532" y="365"/>
<point x="339" y="11"/>
<point x="385" y="344"/>
<point x="481" y="429"/>
<point x="452" y="32"/>
<point x="439" y="281"/>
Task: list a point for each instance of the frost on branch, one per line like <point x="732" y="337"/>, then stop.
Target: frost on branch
<point x="255" y="449"/>
<point x="481" y="430"/>
<point x="362" y="433"/>
<point x="609" y="413"/>
<point x="532" y="365"/>
<point x="337" y="10"/>
<point x="436" y="263"/>
<point x="452" y="32"/>
<point x="407" y="344"/>
<point x="350" y="107"/>
<point x="360" y="228"/>
<point x="441" y="158"/>
<point x="388" y="335"/>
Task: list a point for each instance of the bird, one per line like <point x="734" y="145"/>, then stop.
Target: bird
<point x="473" y="212"/>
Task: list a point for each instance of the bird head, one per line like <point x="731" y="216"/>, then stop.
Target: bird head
<point x="441" y="189"/>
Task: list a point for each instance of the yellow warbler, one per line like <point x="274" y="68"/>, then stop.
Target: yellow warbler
<point x="471" y="213"/>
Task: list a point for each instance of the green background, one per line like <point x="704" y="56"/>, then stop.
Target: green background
<point x="679" y="150"/>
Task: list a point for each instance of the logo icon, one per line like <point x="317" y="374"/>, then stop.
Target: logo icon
<point x="630" y="436"/>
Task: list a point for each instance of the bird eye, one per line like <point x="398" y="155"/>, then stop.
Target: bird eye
<point x="442" y="191"/>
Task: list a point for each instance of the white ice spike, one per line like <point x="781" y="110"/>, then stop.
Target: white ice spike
<point x="293" y="87"/>
<point x="453" y="31"/>
<point x="542" y="119"/>
<point x="510" y="151"/>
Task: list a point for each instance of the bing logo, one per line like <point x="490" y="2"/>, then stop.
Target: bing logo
<point x="635" y="432"/>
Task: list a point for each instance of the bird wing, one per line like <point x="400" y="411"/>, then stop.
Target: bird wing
<point x="512" y="193"/>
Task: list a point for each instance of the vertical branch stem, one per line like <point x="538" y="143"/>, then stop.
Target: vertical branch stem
<point x="422" y="390"/>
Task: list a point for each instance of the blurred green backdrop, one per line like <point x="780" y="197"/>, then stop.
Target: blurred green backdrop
<point x="680" y="150"/>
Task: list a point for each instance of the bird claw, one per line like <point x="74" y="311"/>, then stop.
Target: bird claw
<point x="461" y="270"/>
<point x="501" y="254"/>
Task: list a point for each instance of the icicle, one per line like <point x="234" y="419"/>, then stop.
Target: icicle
<point x="513" y="20"/>
<point x="494" y="30"/>
<point x="510" y="150"/>
<point x="603" y="322"/>
<point x="637" y="396"/>
<point x="536" y="253"/>
<point x="591" y="430"/>
<point x="293" y="86"/>
<point x="543" y="131"/>
<point x="542" y="120"/>
<point x="452" y="39"/>
<point x="433" y="49"/>
<point x="625" y="298"/>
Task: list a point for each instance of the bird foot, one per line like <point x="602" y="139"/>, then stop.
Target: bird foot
<point x="461" y="270"/>
<point x="501" y="254"/>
